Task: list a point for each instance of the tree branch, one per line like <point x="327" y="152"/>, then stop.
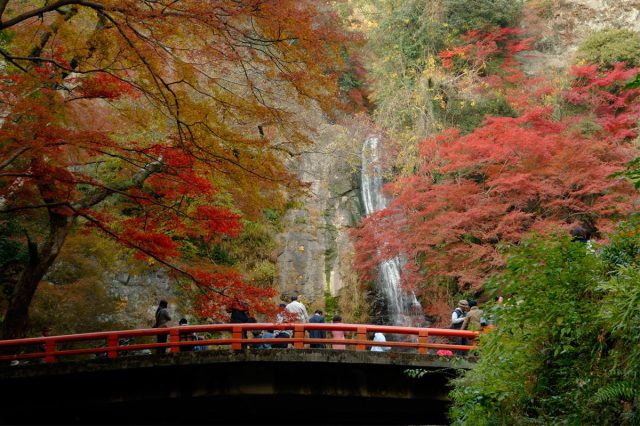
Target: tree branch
<point x="16" y="154"/>
<point x="3" y="6"/>
<point x="112" y="234"/>
<point x="45" y="9"/>
<point x="37" y="206"/>
<point x="136" y="181"/>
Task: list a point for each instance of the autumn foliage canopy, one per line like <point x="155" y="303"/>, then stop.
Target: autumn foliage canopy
<point x="545" y="170"/>
<point x="159" y="124"/>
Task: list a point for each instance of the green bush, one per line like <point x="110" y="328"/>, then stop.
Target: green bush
<point x="566" y="349"/>
<point x="264" y="273"/>
<point x="466" y="15"/>
<point x="528" y="362"/>
<point x="612" y="45"/>
<point x="467" y="115"/>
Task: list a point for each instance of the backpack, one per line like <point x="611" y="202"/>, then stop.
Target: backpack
<point x="483" y="321"/>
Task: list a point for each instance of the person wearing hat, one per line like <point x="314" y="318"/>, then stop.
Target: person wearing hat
<point x="457" y="319"/>
<point x="458" y="314"/>
<point x="473" y="320"/>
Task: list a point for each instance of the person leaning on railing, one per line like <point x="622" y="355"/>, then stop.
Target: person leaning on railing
<point x="474" y="318"/>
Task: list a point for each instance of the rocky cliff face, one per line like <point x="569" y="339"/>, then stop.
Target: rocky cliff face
<point x="315" y="246"/>
<point x="560" y="26"/>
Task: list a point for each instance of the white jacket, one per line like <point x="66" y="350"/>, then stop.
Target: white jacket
<point x="298" y="310"/>
<point x="379" y="337"/>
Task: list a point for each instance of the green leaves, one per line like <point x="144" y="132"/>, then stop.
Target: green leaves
<point x="632" y="172"/>
<point x="634" y="84"/>
<point x="566" y="347"/>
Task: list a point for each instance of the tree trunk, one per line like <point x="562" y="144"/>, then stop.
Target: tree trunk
<point x="16" y="320"/>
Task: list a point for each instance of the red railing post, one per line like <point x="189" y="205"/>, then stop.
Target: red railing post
<point x="236" y="333"/>
<point x="361" y="337"/>
<point x="112" y="344"/>
<point x="49" y="350"/>
<point x="298" y="335"/>
<point x="423" y="339"/>
<point x="174" y="337"/>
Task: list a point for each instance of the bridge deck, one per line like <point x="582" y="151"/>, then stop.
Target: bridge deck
<point x="275" y="386"/>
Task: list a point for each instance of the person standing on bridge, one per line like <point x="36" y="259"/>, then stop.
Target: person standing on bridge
<point x="239" y="314"/>
<point x="379" y="337"/>
<point x="297" y="310"/>
<point x="317" y="318"/>
<point x="457" y="318"/>
<point x="338" y="334"/>
<point x="281" y="318"/>
<point x="162" y="321"/>
<point x="474" y="318"/>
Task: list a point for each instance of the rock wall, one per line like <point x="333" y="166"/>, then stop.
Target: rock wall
<point x="560" y="26"/>
<point x="315" y="245"/>
<point x="138" y="294"/>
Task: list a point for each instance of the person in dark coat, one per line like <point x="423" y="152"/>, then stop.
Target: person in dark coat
<point x="162" y="321"/>
<point x="239" y="314"/>
<point x="186" y="337"/>
<point x="317" y="318"/>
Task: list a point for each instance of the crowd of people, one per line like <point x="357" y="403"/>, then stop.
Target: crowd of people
<point x="239" y="313"/>
<point x="466" y="316"/>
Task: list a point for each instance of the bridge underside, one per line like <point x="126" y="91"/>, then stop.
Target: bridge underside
<point x="221" y="387"/>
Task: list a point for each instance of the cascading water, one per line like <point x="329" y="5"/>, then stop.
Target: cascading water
<point x="402" y="306"/>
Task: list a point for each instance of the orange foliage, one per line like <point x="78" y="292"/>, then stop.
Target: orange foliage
<point x="140" y="119"/>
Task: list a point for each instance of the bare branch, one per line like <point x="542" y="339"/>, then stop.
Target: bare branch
<point x="136" y="181"/>
<point x="33" y="207"/>
<point x="48" y="8"/>
<point x="18" y="152"/>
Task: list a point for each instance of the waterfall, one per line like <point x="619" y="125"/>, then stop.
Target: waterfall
<point x="403" y="306"/>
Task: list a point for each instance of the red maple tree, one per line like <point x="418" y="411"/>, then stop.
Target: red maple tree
<point x="511" y="176"/>
<point x="158" y="123"/>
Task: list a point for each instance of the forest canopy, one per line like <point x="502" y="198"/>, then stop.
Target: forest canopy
<point x="157" y="124"/>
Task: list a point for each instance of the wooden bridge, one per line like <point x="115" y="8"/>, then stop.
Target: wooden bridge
<point x="97" y="378"/>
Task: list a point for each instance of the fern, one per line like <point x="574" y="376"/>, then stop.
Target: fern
<point x="614" y="392"/>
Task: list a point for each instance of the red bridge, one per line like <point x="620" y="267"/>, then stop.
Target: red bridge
<point x="95" y="378"/>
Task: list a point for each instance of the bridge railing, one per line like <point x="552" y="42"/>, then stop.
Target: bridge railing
<point x="110" y="344"/>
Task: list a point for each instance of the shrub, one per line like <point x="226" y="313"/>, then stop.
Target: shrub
<point x="466" y="15"/>
<point x="609" y="46"/>
<point x="566" y="349"/>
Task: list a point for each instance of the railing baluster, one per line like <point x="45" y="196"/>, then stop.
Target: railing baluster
<point x="236" y="333"/>
<point x="174" y="337"/>
<point x="112" y="344"/>
<point x="423" y="339"/>
<point x="298" y="333"/>
<point x="49" y="350"/>
<point x="361" y="337"/>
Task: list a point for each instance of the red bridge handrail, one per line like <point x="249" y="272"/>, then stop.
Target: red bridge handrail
<point x="50" y="346"/>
